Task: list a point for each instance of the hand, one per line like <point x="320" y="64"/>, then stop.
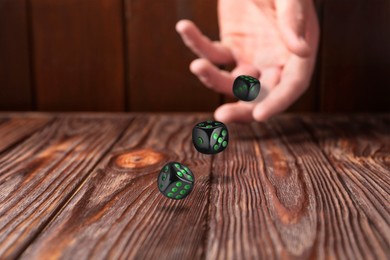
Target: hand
<point x="273" y="40"/>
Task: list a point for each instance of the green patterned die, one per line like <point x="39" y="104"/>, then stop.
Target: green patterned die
<point x="175" y="181"/>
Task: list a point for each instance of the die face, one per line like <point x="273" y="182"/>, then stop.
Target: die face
<point x="246" y="88"/>
<point x="219" y="139"/>
<point x="201" y="139"/>
<point x="209" y="124"/>
<point x="182" y="172"/>
<point x="175" y="181"/>
<point x="210" y="137"/>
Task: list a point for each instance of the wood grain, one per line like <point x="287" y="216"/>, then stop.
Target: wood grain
<point x="15" y="79"/>
<point x="296" y="187"/>
<point x="16" y="129"/>
<point x="359" y="149"/>
<point x="119" y="212"/>
<point x="121" y="55"/>
<point x="281" y="196"/>
<point x="160" y="79"/>
<point x="345" y="229"/>
<point x="263" y="203"/>
<point x="79" y="62"/>
<point x="40" y="174"/>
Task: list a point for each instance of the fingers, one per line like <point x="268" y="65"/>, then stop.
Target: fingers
<point x="211" y="76"/>
<point x="245" y="69"/>
<point x="238" y="111"/>
<point x="216" y="52"/>
<point x="219" y="80"/>
<point x="294" y="81"/>
<point x="292" y="21"/>
<point x="235" y="112"/>
<point x="270" y="77"/>
<point x="296" y="74"/>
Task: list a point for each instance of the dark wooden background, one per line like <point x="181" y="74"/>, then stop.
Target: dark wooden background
<point x="124" y="55"/>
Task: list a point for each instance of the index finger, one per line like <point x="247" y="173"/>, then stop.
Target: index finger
<point x="294" y="81"/>
<point x="215" y="52"/>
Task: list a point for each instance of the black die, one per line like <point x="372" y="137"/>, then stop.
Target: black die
<point x="175" y="181"/>
<point x="210" y="137"/>
<point x="246" y="88"/>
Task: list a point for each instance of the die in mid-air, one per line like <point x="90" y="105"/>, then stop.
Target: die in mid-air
<point x="210" y="137"/>
<point x="246" y="88"/>
<point x="175" y="180"/>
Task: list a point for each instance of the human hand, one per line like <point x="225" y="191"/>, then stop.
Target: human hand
<point x="273" y="40"/>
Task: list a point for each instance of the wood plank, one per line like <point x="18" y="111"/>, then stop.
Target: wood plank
<point x="160" y="79"/>
<point x="15" y="85"/>
<point x="294" y="187"/>
<point x="119" y="212"/>
<point x="79" y="62"/>
<point x="355" y="56"/>
<point x="40" y="174"/>
<point x="355" y="141"/>
<point x="14" y="130"/>
<point x="236" y="223"/>
<point x="359" y="148"/>
<point x="275" y="194"/>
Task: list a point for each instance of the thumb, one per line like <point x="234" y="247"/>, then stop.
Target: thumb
<point x="292" y="18"/>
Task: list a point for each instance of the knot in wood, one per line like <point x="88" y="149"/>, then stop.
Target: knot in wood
<point x="138" y="159"/>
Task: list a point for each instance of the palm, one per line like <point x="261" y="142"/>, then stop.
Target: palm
<point x="254" y="37"/>
<point x="274" y="40"/>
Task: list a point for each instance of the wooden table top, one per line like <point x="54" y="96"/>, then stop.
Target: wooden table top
<point x="299" y="186"/>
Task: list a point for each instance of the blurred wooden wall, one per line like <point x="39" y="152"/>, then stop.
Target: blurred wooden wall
<point x="124" y="55"/>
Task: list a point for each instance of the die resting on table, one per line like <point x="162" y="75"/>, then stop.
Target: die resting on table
<point x="210" y="137"/>
<point x="175" y="180"/>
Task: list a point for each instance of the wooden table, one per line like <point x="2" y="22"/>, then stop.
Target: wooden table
<point x="84" y="186"/>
